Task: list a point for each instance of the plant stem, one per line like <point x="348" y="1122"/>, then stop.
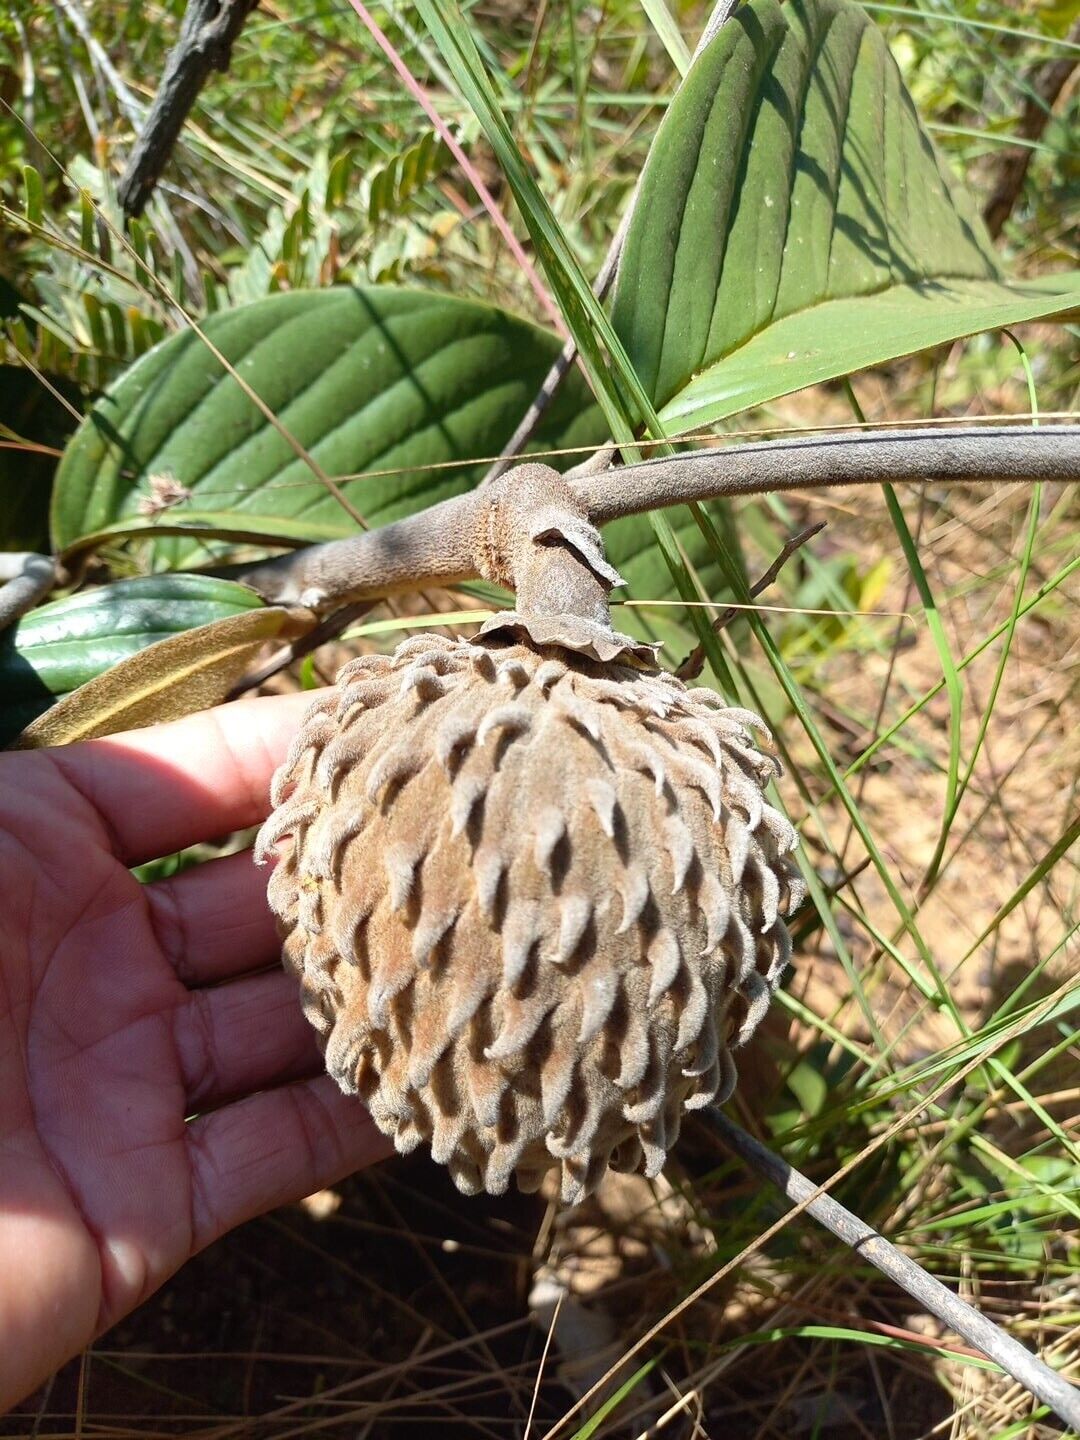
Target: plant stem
<point x="25" y="580"/>
<point x="436" y="546"/>
<point x="870" y="457"/>
<point x="1015" y="1359"/>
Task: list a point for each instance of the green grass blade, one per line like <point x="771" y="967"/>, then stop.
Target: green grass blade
<point x="668" y="33"/>
<point x="1047" y="588"/>
<point x="612" y="1403"/>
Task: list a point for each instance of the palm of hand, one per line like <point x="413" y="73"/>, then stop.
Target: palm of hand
<point x="114" y="1029"/>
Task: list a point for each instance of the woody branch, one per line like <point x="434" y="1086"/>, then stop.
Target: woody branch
<point x="442" y="545"/>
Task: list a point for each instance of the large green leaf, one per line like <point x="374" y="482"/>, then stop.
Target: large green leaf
<point x="61" y="646"/>
<point x="839" y="337"/>
<point x="365" y="379"/>
<point x="795" y="222"/>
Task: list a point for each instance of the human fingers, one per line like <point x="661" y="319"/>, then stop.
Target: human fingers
<point x="248" y="1035"/>
<point x="275" y="1147"/>
<point x="212" y="921"/>
<point x="171" y="785"/>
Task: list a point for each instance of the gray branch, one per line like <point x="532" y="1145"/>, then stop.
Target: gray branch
<point x="25" y="580"/>
<point x="436" y="546"/>
<point x="869" y="457"/>
<point x="1015" y="1359"/>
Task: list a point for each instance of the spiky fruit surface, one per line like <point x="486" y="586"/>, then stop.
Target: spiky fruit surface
<point x="534" y="901"/>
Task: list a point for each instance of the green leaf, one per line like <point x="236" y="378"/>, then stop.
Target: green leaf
<point x="263" y="530"/>
<point x="177" y="415"/>
<point x="364" y="379"/>
<point x="809" y="1087"/>
<point x="839" y="337"/>
<point x="164" y="681"/>
<point x="33" y="195"/>
<point x="795" y="223"/>
<point x="61" y="646"/>
<point x="613" y="1401"/>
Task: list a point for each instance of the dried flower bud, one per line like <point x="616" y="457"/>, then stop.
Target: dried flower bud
<point x="534" y="899"/>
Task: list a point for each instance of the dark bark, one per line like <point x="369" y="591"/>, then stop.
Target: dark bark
<point x="206" y="40"/>
<point x="1046" y="86"/>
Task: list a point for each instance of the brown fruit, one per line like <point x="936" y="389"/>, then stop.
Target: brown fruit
<point x="534" y="900"/>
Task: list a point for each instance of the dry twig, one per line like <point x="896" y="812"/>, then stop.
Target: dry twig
<point x="1017" y="1361"/>
<point x="206" y="40"/>
<point x="694" y="663"/>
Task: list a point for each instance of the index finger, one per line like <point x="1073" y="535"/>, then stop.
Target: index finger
<point x="174" y="784"/>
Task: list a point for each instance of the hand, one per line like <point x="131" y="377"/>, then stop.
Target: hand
<point x="127" y="1008"/>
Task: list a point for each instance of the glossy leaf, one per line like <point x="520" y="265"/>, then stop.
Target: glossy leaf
<point x="796" y="223"/>
<point x="61" y="646"/>
<point x="364" y="379"/>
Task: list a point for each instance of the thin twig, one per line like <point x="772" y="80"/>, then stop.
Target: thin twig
<point x="327" y="629"/>
<point x="1015" y="1359"/>
<point x="694" y="663"/>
